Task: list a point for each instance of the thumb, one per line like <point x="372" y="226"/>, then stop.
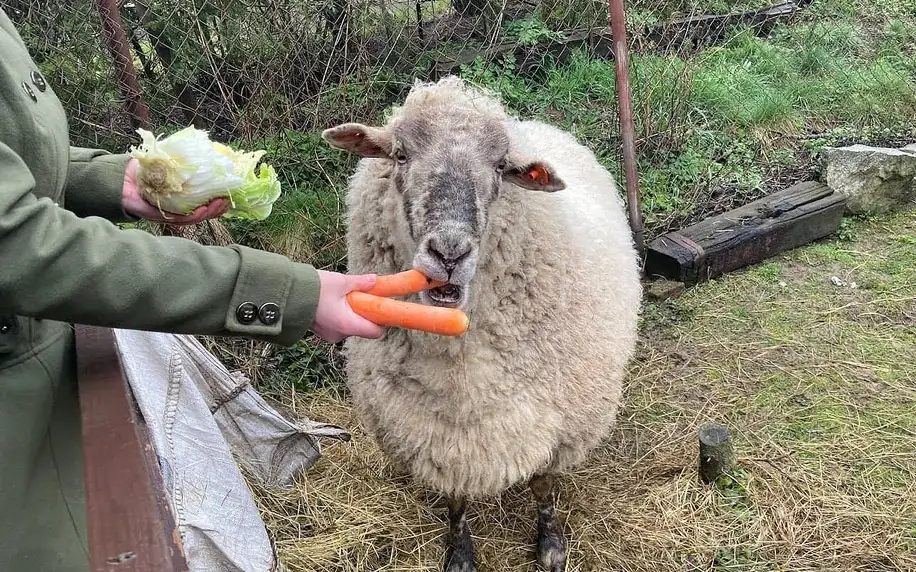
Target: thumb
<point x="361" y="283"/>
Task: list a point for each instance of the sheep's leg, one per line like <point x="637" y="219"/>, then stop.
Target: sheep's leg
<point x="459" y="555"/>
<point x="551" y="541"/>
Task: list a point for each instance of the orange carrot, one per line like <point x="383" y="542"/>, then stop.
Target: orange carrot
<point x="402" y="284"/>
<point x="395" y="313"/>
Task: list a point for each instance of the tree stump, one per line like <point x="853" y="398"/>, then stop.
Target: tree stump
<point x="717" y="453"/>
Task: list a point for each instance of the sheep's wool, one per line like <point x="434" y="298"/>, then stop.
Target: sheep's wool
<point x="536" y="382"/>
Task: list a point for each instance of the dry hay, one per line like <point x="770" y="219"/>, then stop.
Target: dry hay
<point x="816" y="383"/>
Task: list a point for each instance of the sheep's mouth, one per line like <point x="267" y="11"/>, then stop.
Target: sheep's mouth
<point x="448" y="296"/>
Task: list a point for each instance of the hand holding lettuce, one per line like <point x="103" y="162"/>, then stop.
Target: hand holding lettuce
<point x="185" y="170"/>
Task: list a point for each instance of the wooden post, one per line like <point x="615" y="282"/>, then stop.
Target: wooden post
<point x="717" y="454"/>
<point x="119" y="49"/>
<point x="130" y="526"/>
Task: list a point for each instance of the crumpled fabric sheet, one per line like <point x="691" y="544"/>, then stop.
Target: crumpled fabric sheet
<point x="204" y="422"/>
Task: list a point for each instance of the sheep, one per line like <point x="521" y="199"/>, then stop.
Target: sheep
<point x="529" y="231"/>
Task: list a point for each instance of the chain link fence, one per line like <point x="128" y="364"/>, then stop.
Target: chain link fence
<point x="726" y="96"/>
<point x="252" y="70"/>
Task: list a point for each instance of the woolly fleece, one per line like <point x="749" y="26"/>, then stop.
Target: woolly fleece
<point x="536" y="382"/>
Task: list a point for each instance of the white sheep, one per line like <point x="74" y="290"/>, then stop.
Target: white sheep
<point x="550" y="281"/>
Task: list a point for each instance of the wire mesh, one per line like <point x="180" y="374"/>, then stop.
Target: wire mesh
<point x="730" y="99"/>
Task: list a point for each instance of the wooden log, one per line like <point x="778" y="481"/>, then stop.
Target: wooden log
<point x="747" y="235"/>
<point x="709" y="29"/>
<point x="596" y="41"/>
<point x="130" y="526"/>
<point x="717" y="453"/>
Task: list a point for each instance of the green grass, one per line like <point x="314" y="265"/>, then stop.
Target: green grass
<point x="726" y="122"/>
<point x="715" y="130"/>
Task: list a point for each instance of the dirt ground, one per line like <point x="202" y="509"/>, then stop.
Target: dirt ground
<point x="808" y="359"/>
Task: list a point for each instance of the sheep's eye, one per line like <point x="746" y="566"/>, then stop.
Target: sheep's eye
<point x="401" y="157"/>
<point x="501" y="166"/>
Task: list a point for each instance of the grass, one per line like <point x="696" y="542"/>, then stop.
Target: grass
<point x="715" y="130"/>
<point x="814" y="380"/>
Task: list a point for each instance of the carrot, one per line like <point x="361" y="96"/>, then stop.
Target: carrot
<point x="395" y="313"/>
<point x="402" y="284"/>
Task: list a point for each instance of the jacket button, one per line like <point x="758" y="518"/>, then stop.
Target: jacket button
<point x="269" y="313"/>
<point x="8" y="325"/>
<point x="28" y="91"/>
<point x="246" y="312"/>
<point x="39" y="81"/>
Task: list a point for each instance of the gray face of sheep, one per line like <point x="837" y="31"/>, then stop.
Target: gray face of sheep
<point x="447" y="170"/>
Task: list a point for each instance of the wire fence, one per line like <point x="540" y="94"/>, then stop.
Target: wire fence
<point x="704" y="74"/>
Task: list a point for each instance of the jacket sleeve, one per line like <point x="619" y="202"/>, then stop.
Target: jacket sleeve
<point x="95" y="183"/>
<point x="59" y="266"/>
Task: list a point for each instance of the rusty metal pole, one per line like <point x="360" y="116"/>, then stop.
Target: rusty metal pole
<point x="627" y="127"/>
<point x="119" y="49"/>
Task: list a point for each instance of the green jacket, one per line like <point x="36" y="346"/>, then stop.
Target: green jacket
<point x="63" y="260"/>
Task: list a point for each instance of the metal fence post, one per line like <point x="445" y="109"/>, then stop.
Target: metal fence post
<point x="119" y="50"/>
<point x="627" y="127"/>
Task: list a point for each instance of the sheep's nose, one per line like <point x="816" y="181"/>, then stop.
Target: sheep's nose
<point x="449" y="256"/>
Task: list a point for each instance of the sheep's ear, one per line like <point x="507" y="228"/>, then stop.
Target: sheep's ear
<point x="534" y="176"/>
<point x="359" y="139"/>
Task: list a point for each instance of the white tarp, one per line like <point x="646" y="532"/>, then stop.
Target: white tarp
<point x="203" y="420"/>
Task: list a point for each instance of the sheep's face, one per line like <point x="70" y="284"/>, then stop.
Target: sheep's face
<point x="448" y="166"/>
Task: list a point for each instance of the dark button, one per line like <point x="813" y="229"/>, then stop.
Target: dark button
<point x="246" y="312"/>
<point x="269" y="313"/>
<point x="8" y="325"/>
<point x="28" y="90"/>
<point x="39" y="81"/>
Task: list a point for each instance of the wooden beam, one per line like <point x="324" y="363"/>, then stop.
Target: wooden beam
<point x="130" y="527"/>
<point x="596" y="41"/>
<point x="125" y="73"/>
<point x="747" y="235"/>
<point x="710" y="29"/>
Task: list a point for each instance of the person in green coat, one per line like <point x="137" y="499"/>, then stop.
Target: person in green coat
<point x="63" y="260"/>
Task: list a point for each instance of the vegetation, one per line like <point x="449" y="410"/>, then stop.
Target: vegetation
<point x="815" y="379"/>
<point x="716" y="128"/>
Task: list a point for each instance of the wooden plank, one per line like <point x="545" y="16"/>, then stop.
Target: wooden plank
<point x="747" y="235"/>
<point x="130" y="527"/>
<point x="597" y="41"/>
<point x="710" y="29"/>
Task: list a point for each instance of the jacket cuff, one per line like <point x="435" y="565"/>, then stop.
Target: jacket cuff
<point x="95" y="185"/>
<point x="275" y="299"/>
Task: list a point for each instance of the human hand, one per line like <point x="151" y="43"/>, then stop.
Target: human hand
<point x="335" y="320"/>
<point x="135" y="205"/>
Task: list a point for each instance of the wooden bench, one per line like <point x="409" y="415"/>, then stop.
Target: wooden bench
<point x="130" y="525"/>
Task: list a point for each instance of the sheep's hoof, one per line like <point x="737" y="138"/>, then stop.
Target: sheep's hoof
<point x="459" y="554"/>
<point x="551" y="546"/>
<point x="458" y="560"/>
